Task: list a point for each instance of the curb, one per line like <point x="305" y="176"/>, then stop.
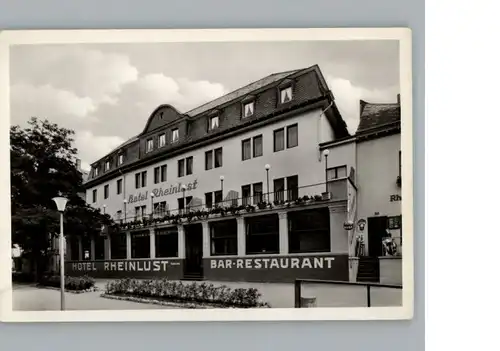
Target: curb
<point x="68" y="291"/>
<point x="151" y="301"/>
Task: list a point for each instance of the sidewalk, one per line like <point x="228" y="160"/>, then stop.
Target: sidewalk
<point x="282" y="295"/>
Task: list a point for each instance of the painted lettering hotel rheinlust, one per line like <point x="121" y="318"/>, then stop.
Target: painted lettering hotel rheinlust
<point x="262" y="184"/>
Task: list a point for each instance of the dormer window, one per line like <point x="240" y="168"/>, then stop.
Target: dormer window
<point x="213" y="123"/>
<point x="162" y="140"/>
<point x="120" y="159"/>
<point x="107" y="165"/>
<point x="149" y="145"/>
<point x="175" y="135"/>
<point x="286" y="95"/>
<point x="248" y="109"/>
<point x="96" y="171"/>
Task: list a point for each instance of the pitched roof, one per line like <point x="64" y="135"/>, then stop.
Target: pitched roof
<point x="377" y="115"/>
<point x="240" y="92"/>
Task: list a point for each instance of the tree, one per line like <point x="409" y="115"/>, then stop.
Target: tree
<point x="43" y="165"/>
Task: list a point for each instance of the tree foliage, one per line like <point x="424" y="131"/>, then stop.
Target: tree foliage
<point x="43" y="166"/>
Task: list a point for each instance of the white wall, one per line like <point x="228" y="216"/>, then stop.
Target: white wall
<point x="378" y="162"/>
<point x="303" y="160"/>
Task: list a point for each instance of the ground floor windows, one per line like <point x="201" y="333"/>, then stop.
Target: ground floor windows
<point x="224" y="238"/>
<point x="262" y="234"/>
<point x="166" y="242"/>
<point x="309" y="231"/>
<point x="140" y="244"/>
<point x="99" y="247"/>
<point x="118" y="246"/>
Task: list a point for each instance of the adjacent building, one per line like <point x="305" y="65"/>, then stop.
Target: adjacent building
<point x="240" y="188"/>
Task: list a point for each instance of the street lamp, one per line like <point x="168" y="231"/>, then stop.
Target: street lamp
<point x="326" y="152"/>
<point x="152" y="196"/>
<point x="183" y="187"/>
<point x="61" y="206"/>
<point x="268" y="167"/>
<point x="104" y="209"/>
<point x="222" y="185"/>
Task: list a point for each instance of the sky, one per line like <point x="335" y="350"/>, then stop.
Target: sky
<point x="106" y="92"/>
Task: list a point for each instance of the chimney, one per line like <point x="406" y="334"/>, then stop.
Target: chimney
<point x="78" y="164"/>
<point x="399" y="99"/>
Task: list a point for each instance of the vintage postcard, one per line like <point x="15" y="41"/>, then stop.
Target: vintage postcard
<point x="236" y="174"/>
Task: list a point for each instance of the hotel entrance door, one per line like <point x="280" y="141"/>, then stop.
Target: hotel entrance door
<point x="377" y="230"/>
<point x="193" y="267"/>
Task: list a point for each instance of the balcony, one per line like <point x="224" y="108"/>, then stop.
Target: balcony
<point x="310" y="196"/>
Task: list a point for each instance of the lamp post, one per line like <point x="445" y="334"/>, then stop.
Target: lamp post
<point x="61" y="206"/>
<point x="152" y="208"/>
<point x="268" y="167"/>
<point x="326" y="152"/>
<point x="124" y="210"/>
<point x="183" y="187"/>
<point x="222" y="188"/>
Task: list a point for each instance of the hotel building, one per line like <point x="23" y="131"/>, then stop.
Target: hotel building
<point x="240" y="188"/>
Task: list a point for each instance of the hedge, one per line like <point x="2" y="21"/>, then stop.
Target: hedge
<point x="202" y="293"/>
<point x="70" y="283"/>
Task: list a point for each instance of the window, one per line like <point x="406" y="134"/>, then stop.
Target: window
<point x="96" y="171"/>
<point x="94" y="195"/>
<point x="137" y="180"/>
<point x="162" y="140"/>
<point x="163" y="173"/>
<point x="139" y="242"/>
<point x="262" y="234"/>
<point x="180" y="168"/>
<point x="257" y="146"/>
<point x="99" y="247"/>
<point x="246" y="151"/>
<point x="213" y="123"/>
<point x="279" y="140"/>
<point x="119" y="184"/>
<point x="336" y="172"/>
<point x="107" y="165"/>
<point x="292" y="187"/>
<point x="159" y="208"/>
<point x="208" y="160"/>
<point x="246" y="194"/>
<point x="223" y="238"/>
<point x="279" y="189"/>
<point x="118" y="246"/>
<point x="120" y="159"/>
<point x="286" y="95"/>
<point x="149" y="145"/>
<point x="140" y="212"/>
<point x="189" y="165"/>
<point x="144" y="178"/>
<point x="218" y="157"/>
<point x="208" y="200"/>
<point x="106" y="191"/>
<point x="156" y="175"/>
<point x="309" y="231"/>
<point x="119" y="214"/>
<point x="394" y="222"/>
<point x="218" y="197"/>
<point x="257" y="193"/>
<point x="175" y="135"/>
<point x="167" y="244"/>
<point x="248" y="109"/>
<point x="292" y="136"/>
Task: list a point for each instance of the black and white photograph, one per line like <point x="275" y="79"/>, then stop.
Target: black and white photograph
<point x="225" y="174"/>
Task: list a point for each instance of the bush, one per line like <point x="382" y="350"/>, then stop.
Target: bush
<point x="187" y="292"/>
<point x="70" y="283"/>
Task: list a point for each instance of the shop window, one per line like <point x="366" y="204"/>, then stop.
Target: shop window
<point x="118" y="246"/>
<point x="140" y="244"/>
<point x="262" y="234"/>
<point x="166" y="240"/>
<point x="223" y="237"/>
<point x="309" y="231"/>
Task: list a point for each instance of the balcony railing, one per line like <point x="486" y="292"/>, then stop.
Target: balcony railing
<point x="334" y="190"/>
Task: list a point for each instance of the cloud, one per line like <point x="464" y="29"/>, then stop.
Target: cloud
<point x="47" y="102"/>
<point x="92" y="147"/>
<point x="347" y="97"/>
